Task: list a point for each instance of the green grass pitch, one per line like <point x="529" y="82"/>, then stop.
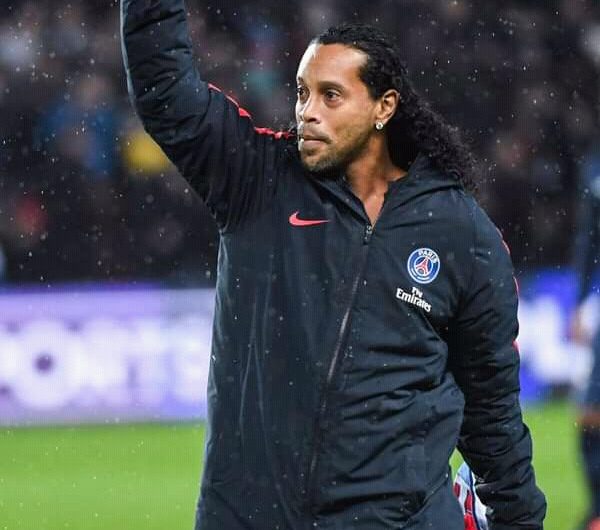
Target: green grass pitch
<point x="134" y="477"/>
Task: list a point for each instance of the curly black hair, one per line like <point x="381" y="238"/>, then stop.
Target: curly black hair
<point x="415" y="127"/>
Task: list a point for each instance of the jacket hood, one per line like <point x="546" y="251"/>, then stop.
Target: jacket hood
<point x="423" y="177"/>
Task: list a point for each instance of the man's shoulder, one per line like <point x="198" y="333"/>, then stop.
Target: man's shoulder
<point x="455" y="207"/>
<point x="465" y="220"/>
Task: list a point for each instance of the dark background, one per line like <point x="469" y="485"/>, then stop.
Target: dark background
<point x="84" y="196"/>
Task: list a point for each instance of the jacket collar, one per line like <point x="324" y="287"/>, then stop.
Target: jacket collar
<point x="422" y="178"/>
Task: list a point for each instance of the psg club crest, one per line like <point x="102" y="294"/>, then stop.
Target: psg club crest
<point x="423" y="265"/>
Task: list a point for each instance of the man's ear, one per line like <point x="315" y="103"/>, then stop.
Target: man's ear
<point x="387" y="105"/>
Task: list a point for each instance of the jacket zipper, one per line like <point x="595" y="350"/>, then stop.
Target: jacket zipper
<point x="311" y="486"/>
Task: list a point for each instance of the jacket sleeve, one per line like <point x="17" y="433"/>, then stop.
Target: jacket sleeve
<point x="211" y="140"/>
<point x="494" y="441"/>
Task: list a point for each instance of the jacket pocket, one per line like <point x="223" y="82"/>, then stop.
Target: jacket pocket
<point x="397" y="510"/>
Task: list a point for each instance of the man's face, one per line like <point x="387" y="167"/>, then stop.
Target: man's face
<point x="334" y="111"/>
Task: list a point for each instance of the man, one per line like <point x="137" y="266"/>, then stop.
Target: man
<point x="587" y="256"/>
<point x="363" y="299"/>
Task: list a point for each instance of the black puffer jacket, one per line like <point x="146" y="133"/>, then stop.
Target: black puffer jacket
<point x="344" y="355"/>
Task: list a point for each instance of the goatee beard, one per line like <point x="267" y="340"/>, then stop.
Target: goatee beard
<point x="325" y="170"/>
<point x="330" y="171"/>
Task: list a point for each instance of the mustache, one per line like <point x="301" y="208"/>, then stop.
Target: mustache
<point x="309" y="134"/>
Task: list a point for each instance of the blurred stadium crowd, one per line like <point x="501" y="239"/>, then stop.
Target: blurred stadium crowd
<point x="85" y="195"/>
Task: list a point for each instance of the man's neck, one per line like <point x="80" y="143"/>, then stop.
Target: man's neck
<point x="369" y="177"/>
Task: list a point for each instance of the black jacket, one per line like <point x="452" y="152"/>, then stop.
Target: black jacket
<point x="344" y="355"/>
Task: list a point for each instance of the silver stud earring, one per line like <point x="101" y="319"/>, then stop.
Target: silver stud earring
<point x="379" y="125"/>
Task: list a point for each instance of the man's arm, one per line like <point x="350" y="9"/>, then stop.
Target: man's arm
<point x="484" y="359"/>
<point x="206" y="135"/>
